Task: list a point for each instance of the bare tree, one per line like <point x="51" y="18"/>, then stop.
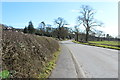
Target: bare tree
<point x="60" y="22"/>
<point x="76" y="32"/>
<point x="41" y="27"/>
<point x="99" y="33"/>
<point x="86" y="18"/>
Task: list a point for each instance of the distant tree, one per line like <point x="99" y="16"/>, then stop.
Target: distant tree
<point x="93" y="34"/>
<point x="41" y="27"/>
<point x="86" y="18"/>
<point x="107" y="35"/>
<point x="103" y="35"/>
<point x="99" y="33"/>
<point x="76" y="33"/>
<point x="25" y="30"/>
<point x="60" y="22"/>
<point x="31" y="29"/>
<point x="48" y="28"/>
<point x="71" y="33"/>
<point x="55" y="33"/>
<point x="62" y="32"/>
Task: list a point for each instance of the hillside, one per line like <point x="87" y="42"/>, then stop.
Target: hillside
<point x="25" y="55"/>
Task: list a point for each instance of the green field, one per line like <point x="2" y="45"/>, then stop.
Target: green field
<point x="106" y="42"/>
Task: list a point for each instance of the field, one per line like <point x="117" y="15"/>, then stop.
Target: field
<point x="104" y="44"/>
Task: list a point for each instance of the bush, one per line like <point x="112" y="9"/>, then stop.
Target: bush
<point x="25" y="55"/>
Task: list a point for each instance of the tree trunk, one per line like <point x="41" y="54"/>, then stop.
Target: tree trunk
<point x="86" y="39"/>
<point x="76" y="37"/>
<point x="59" y="33"/>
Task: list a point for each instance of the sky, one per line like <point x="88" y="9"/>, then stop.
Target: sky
<point x="18" y="14"/>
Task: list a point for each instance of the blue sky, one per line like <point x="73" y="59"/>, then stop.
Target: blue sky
<point x="18" y="14"/>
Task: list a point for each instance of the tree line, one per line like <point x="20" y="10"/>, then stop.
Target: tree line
<point x="61" y="32"/>
<point x="86" y="18"/>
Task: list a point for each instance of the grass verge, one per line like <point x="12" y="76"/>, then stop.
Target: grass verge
<point x="48" y="67"/>
<point x="106" y="42"/>
<point x="98" y="45"/>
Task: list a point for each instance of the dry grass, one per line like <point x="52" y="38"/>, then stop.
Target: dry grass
<point x="25" y="55"/>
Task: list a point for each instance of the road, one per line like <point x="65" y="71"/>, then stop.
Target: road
<point x="84" y="61"/>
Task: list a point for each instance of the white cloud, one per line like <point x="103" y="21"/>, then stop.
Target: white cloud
<point x="71" y="25"/>
<point x="75" y="10"/>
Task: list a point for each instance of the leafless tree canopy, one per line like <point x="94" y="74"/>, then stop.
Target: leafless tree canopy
<point x="87" y="19"/>
<point x="61" y="31"/>
<point x="60" y="22"/>
<point x="41" y="25"/>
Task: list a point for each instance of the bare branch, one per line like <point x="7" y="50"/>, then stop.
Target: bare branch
<point x="60" y="22"/>
<point x="87" y="19"/>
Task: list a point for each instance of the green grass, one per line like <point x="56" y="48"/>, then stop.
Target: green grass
<point x="106" y="42"/>
<point x="99" y="44"/>
<point x="4" y="74"/>
<point x="111" y="47"/>
<point x="49" y="66"/>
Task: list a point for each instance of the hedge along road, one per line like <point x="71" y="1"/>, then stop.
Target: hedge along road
<point x="83" y="61"/>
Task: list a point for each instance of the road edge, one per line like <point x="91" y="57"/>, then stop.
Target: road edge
<point x="80" y="72"/>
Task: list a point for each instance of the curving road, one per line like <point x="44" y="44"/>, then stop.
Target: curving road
<point x="77" y="61"/>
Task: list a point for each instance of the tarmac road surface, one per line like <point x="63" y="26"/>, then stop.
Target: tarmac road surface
<point x="84" y="61"/>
